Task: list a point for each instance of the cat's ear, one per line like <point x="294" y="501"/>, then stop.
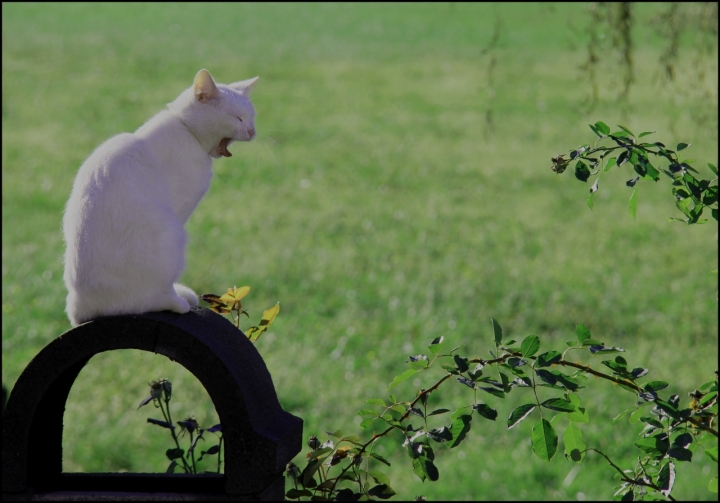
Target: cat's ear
<point x="204" y="87"/>
<point x="244" y="86"/>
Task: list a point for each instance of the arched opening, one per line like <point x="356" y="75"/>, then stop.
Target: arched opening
<point x="260" y="438"/>
<point x="103" y="429"/>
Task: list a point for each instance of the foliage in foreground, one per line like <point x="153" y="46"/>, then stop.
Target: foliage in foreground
<point x="346" y="468"/>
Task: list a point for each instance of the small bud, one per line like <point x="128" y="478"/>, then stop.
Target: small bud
<point x="293" y="470"/>
<point x="313" y="442"/>
<point x="189" y="424"/>
<point x="155" y="389"/>
<point x="167" y="387"/>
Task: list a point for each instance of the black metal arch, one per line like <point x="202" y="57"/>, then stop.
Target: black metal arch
<point x="260" y="438"/>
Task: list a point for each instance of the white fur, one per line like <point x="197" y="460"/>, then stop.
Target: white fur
<point x="124" y="221"/>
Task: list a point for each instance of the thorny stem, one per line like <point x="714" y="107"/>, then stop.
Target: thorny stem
<point x="192" y="454"/>
<point x="168" y="419"/>
<point x="696" y="422"/>
<point x="625" y="478"/>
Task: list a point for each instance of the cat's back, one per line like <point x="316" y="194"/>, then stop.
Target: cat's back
<point x="119" y="158"/>
<point x="120" y="173"/>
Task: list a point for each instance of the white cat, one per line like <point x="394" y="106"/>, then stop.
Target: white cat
<point x="124" y="221"/>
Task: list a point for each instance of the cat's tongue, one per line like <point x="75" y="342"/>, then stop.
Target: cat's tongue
<point x="222" y="147"/>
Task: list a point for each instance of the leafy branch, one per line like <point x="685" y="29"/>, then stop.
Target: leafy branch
<point x="692" y="193"/>
<point x="516" y="367"/>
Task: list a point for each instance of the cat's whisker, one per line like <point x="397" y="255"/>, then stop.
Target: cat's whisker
<point x="272" y="140"/>
<point x="270" y="151"/>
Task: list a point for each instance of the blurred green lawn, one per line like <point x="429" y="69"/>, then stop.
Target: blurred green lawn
<point x="380" y="206"/>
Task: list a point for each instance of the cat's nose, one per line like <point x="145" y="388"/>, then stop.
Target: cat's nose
<point x="251" y="133"/>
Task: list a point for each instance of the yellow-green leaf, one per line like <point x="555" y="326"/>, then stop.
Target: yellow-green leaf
<point x="269" y="315"/>
<point x="234" y="294"/>
<point x="253" y="333"/>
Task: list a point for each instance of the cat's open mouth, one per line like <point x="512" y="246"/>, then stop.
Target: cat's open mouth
<point x="222" y="147"/>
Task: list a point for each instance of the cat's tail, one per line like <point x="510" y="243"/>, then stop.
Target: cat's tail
<point x="187" y="294"/>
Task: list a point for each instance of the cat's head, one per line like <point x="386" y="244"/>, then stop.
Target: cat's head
<point x="217" y="114"/>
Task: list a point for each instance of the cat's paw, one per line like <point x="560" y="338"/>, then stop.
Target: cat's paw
<point x="186" y="293"/>
<point x="176" y="304"/>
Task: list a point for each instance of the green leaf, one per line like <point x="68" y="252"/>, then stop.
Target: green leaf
<point x="486" y="411"/>
<point x="666" y="477"/>
<point x="530" y="346"/>
<point x="365" y="423"/>
<point x="171" y="467"/>
<point x="622" y="158"/>
<point x="604" y="350"/>
<point x="682" y="146"/>
<point x="497" y="330"/>
<point x="380" y="458"/>
<point x="574" y="444"/>
<point x="559" y="404"/>
<point x="635" y="416"/>
<point x="633" y="204"/>
<point x="713" y="453"/>
<point x="579" y="416"/>
<point x="438" y="411"/>
<point x="424" y="468"/>
<point x="547" y="359"/>
<point x="402" y="377"/>
<point x="310" y="470"/>
<point x="353" y="439"/>
<point x="713" y="485"/>
<point x="611" y="162"/>
<point x="651" y="421"/>
<point x="645" y="133"/>
<point x="368" y="412"/>
<point x="623" y="413"/>
<point x="655" y="446"/>
<point x="462" y="363"/>
<point x="602" y="127"/>
<point x="680" y="454"/>
<point x="493" y="391"/>
<point x="544" y="440"/>
<point x="626" y="130"/>
<point x="440" y="434"/>
<point x="450" y="369"/>
<point x="297" y="493"/>
<point x="520" y="413"/>
<point x="582" y="172"/>
<point x="714" y="170"/>
<point x="382" y="491"/>
<point x="318" y="453"/>
<point x="376" y="401"/>
<point x="655" y="385"/>
<point x="174" y="454"/>
<point x="436" y="345"/>
<point x="582" y="333"/>
<point x="379" y="477"/>
<point x="399" y="408"/>
<point x="459" y="429"/>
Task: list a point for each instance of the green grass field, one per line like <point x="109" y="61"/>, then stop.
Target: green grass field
<point x="381" y="206"/>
